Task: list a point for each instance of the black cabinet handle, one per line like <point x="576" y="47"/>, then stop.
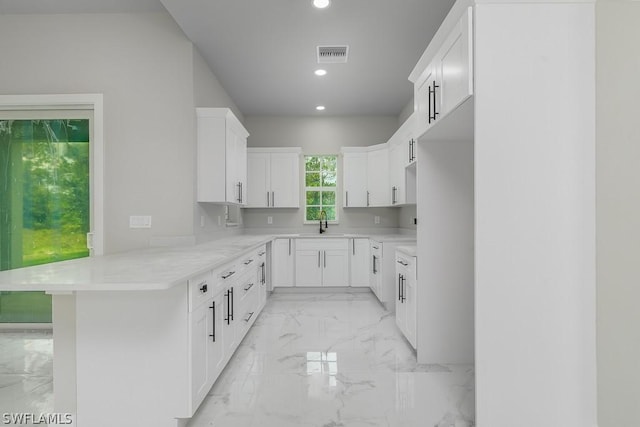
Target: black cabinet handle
<point x="232" y="304"/>
<point x="250" y="316"/>
<point x="213" y="334"/>
<point x="433" y="113"/>
<point x="267" y="199"/>
<point x="318" y="259"/>
<point x="203" y="287"/>
<point x="399" y="287"/>
<point x="273" y="199"/>
<point x="247" y="262"/>
<point x="231" y="273"/>
<point x="374" y="265"/>
<point x="248" y="287"/>
<point x="227" y="296"/>
<point x="404" y="280"/>
<point x="346" y="195"/>
<point x="367" y="198"/>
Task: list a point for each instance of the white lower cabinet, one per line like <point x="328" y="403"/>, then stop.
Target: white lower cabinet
<point x="359" y="263"/>
<point x="283" y="262"/>
<point x="322" y="262"/>
<point x="223" y="305"/>
<point x="207" y="347"/>
<point x="382" y="272"/>
<point x="406" y="281"/>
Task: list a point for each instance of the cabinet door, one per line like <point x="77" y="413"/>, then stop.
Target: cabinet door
<point x="216" y="340"/>
<point x="427" y="108"/>
<point x="285" y="180"/>
<point x="308" y="268"/>
<point x="282" y="260"/>
<point x="359" y="263"/>
<point x="200" y="321"/>
<point x="231" y="174"/>
<point x="454" y="65"/>
<point x="258" y="180"/>
<point x="397" y="159"/>
<point x="410" y="307"/>
<point x="230" y="320"/>
<point x="354" y="179"/>
<point x="241" y="167"/>
<point x="335" y="267"/>
<point x="378" y="177"/>
<point x="375" y="272"/>
<point x="211" y="135"/>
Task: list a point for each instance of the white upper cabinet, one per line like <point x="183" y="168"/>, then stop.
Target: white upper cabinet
<point x="402" y="164"/>
<point x="354" y="177"/>
<point x="273" y="178"/>
<point x="222" y="157"/>
<point x="447" y="80"/>
<point x="366" y="176"/>
<point x="378" y="176"/>
<point x="455" y="65"/>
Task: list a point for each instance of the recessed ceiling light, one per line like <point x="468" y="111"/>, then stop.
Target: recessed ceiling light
<point x="320" y="72"/>
<point x="320" y="108"/>
<point x="321" y="4"/>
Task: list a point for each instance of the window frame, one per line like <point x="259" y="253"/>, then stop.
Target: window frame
<point x="321" y="188"/>
<point x="92" y="102"/>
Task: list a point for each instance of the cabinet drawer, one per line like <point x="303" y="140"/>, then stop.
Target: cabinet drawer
<point x="247" y="284"/>
<point x="322" y="244"/>
<point x="227" y="274"/>
<point x="201" y="288"/>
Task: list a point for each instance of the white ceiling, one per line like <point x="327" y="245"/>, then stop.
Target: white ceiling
<point x="264" y="51"/>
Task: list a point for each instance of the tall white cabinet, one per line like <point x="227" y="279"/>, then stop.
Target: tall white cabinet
<point x="505" y="184"/>
<point x="222" y="157"/>
<point x="273" y="177"/>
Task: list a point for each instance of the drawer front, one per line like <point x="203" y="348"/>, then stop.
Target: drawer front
<point x="247" y="284"/>
<point x="201" y="288"/>
<point x="227" y="274"/>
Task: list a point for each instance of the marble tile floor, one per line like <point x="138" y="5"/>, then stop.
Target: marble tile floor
<point x="329" y="360"/>
<point x="311" y="359"/>
<point x="26" y="372"/>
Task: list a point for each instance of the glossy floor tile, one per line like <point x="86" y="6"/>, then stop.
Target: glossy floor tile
<point x="321" y="360"/>
<point x="334" y="359"/>
<point x="26" y="372"/>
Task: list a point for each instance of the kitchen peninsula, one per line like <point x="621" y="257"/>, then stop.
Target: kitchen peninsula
<point x="140" y="337"/>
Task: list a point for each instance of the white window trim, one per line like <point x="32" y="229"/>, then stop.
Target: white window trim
<point x="304" y="171"/>
<point x="93" y="102"/>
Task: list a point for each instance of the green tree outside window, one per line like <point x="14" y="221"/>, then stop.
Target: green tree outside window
<point x="321" y="180"/>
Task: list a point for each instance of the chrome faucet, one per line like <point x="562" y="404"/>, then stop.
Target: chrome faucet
<point x="323" y="214"/>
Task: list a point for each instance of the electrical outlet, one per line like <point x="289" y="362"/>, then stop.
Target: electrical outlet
<point x="376" y="219"/>
<point x="269" y="220"/>
<point x="140" y="221"/>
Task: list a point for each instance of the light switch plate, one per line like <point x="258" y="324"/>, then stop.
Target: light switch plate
<point x="140" y="221"/>
<point x="376" y="219"/>
<point x="269" y="220"/>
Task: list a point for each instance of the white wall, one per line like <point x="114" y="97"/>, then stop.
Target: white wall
<point x="618" y="212"/>
<point x="144" y="66"/>
<point x="320" y="135"/>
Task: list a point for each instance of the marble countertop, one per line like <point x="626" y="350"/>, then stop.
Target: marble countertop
<point x="148" y="269"/>
<point x="410" y="250"/>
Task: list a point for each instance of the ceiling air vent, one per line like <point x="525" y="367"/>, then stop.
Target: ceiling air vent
<point x="332" y="54"/>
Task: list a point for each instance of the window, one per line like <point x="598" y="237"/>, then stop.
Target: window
<point x="50" y="150"/>
<point x="321" y="180"/>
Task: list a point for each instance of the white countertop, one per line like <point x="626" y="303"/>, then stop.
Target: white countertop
<point x="410" y="250"/>
<point x="148" y="269"/>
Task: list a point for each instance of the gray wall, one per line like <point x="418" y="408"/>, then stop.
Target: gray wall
<point x="618" y="212"/>
<point x="146" y="68"/>
<point x="321" y="135"/>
